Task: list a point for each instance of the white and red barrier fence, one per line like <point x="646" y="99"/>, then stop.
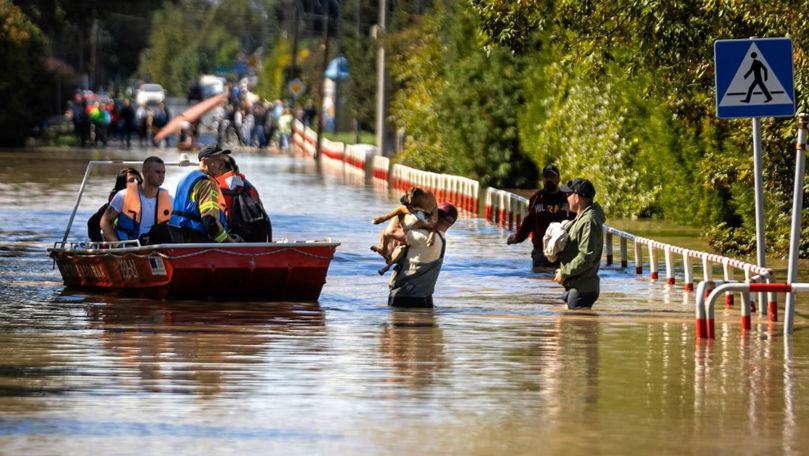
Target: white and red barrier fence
<point x="505" y="208"/>
<point x="380" y="167"/>
<point x="359" y="157"/>
<point x="332" y="150"/>
<point x="707" y="292"/>
<point x="459" y="191"/>
<point x="297" y="136"/>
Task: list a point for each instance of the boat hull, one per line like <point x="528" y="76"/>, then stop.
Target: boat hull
<point x="256" y="271"/>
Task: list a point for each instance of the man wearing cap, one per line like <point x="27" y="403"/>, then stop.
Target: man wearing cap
<point x="199" y="212"/>
<point x="413" y="280"/>
<point x="546" y="205"/>
<point x="581" y="256"/>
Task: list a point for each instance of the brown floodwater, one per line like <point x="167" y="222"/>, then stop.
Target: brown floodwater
<point x="499" y="367"/>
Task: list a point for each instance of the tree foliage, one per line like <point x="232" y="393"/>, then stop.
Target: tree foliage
<point x="192" y="37"/>
<point x="456" y="102"/>
<point x="25" y="103"/>
<point x="647" y="68"/>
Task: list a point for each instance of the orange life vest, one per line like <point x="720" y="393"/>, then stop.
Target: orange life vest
<point x="127" y="225"/>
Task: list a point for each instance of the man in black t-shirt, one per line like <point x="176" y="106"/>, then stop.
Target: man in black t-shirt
<point x="547" y="205"/>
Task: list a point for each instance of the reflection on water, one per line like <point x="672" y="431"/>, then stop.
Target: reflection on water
<point x="412" y="343"/>
<point x="197" y="347"/>
<point x="498" y="367"/>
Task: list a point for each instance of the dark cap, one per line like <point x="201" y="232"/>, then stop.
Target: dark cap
<point x="579" y="186"/>
<point x="211" y="150"/>
<point x="446" y="210"/>
<point x="550" y="170"/>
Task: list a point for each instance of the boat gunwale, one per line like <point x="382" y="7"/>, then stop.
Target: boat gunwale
<point x="158" y="247"/>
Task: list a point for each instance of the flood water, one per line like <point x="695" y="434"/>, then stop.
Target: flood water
<point x="499" y="367"/>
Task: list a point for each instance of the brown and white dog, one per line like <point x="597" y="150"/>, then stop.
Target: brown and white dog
<point x="419" y="209"/>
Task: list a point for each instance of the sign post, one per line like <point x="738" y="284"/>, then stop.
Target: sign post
<point x="754" y="78"/>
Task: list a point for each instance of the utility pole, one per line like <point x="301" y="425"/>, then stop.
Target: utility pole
<point x="381" y="100"/>
<point x="293" y="71"/>
<point x="338" y="83"/>
<point x="323" y="84"/>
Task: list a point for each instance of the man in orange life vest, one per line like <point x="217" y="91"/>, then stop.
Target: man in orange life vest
<point x="199" y="211"/>
<point x="139" y="211"/>
<point x="547" y="205"/>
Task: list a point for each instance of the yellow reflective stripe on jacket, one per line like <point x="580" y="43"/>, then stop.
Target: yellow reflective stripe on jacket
<point x="222" y="236"/>
<point x="210" y="205"/>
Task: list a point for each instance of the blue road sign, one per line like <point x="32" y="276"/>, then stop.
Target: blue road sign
<point x="754" y="78"/>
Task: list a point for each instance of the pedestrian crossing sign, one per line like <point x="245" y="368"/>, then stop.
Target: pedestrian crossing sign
<point x="754" y="78"/>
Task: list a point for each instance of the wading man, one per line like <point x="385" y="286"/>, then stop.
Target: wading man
<point x="546" y="206"/>
<point x="581" y="256"/>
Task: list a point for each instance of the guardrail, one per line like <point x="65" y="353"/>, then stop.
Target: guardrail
<point x="460" y="191"/>
<point x="505" y="208"/>
<point x="380" y="167"/>
<point x="707" y="292"/>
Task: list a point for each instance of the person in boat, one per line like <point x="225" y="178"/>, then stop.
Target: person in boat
<point x="124" y="177"/>
<point x="140" y="211"/>
<point x="199" y="213"/>
<point x="413" y="280"/>
<point x="247" y="219"/>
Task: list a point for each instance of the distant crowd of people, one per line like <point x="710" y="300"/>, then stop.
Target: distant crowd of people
<point x="244" y="119"/>
<point x="251" y="121"/>
<point x="97" y="121"/>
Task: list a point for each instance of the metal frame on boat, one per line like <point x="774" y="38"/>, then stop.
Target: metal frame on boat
<point x="261" y="271"/>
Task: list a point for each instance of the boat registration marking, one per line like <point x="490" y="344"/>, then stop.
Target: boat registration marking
<point x="128" y="269"/>
<point x="157" y="266"/>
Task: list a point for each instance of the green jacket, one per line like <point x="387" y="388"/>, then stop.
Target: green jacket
<point x="581" y="256"/>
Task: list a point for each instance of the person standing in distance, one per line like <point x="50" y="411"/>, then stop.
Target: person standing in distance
<point x="581" y="257"/>
<point x="547" y="205"/>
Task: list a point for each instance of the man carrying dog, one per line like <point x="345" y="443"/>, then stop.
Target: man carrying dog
<point x="547" y="205"/>
<point x="581" y="256"/>
<point x="199" y="212"/>
<point x="413" y="280"/>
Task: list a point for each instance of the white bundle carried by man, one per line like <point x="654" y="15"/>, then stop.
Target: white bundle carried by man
<point x="555" y="238"/>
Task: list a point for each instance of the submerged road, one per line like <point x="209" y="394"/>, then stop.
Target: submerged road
<point x="498" y="367"/>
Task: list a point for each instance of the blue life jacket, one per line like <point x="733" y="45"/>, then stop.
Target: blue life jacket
<point x="185" y="212"/>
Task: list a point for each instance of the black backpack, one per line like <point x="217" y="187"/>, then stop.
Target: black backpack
<point x="248" y="219"/>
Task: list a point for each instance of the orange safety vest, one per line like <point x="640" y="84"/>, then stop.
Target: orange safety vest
<point x="128" y="222"/>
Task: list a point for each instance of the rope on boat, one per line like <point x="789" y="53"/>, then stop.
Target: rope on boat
<point x="200" y="252"/>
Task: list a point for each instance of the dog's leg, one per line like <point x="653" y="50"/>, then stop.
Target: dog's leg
<point x="395" y="257"/>
<point x="400" y="210"/>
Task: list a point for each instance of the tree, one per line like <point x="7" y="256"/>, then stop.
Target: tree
<point x="25" y="104"/>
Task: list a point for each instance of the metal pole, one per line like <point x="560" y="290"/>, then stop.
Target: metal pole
<point x="381" y="108"/>
<point x="759" y="189"/>
<point x="87" y="175"/>
<point x="795" y="231"/>
<point x="338" y="82"/>
<point x="323" y="84"/>
<point x="78" y="199"/>
<point x="293" y="71"/>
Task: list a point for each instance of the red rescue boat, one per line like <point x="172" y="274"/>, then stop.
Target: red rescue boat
<point x="258" y="271"/>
